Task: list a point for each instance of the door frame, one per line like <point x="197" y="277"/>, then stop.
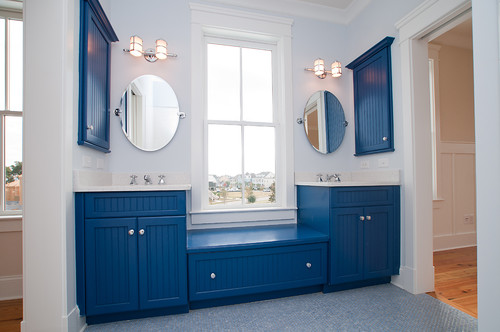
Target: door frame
<point x="417" y="271"/>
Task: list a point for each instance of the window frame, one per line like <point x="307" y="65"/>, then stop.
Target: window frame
<point x="7" y="16"/>
<point x="243" y="123"/>
<point x="209" y="22"/>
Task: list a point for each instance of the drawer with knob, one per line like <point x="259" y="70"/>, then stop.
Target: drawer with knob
<point x="251" y="271"/>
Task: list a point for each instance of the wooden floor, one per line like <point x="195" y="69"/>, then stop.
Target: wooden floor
<point x="455" y="278"/>
<point x="11" y="314"/>
<point x="455" y="284"/>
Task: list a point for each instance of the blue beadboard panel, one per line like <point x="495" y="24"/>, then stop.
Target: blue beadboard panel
<point x="162" y="262"/>
<point x="346" y="245"/>
<point x="243" y="272"/>
<point x="96" y="36"/>
<point x="362" y="196"/>
<point x="111" y="266"/>
<point x="314" y="207"/>
<point x="378" y="241"/>
<point x="128" y="204"/>
<point x="372" y="78"/>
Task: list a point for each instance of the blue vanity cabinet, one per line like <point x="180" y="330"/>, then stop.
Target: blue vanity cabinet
<point x="131" y="253"/>
<point x="372" y="80"/>
<point x="364" y="228"/>
<point x="96" y="36"/>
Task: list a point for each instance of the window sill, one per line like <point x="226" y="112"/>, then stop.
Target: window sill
<point x="11" y="223"/>
<point x="276" y="214"/>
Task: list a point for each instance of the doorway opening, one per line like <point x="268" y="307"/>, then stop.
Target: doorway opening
<point x="453" y="157"/>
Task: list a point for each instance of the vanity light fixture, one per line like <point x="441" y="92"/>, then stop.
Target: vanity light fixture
<point x="319" y="68"/>
<point x="151" y="55"/>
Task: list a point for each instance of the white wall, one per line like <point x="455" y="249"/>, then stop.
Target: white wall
<point x="50" y="88"/>
<point x="485" y="23"/>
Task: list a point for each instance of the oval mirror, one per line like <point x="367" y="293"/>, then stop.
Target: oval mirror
<point x="324" y="121"/>
<point x="149" y="113"/>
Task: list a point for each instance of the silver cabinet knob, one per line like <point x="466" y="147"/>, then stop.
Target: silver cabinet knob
<point x="308" y="265"/>
<point x="368" y="218"/>
<point x="384" y="138"/>
<point x="141" y="232"/>
<point x="362" y="218"/>
<point x="90" y="127"/>
<point x="131" y="232"/>
<point x="212" y="275"/>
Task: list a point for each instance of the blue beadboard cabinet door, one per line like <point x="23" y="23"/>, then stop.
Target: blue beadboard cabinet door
<point x="346" y="245"/>
<point x="378" y="233"/>
<point x="96" y="36"/>
<point x="111" y="265"/>
<point x="162" y="262"/>
<point x="372" y="78"/>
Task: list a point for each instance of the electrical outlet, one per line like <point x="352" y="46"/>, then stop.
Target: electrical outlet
<point x="87" y="162"/>
<point x="100" y="163"/>
<point x="468" y="218"/>
<point x="383" y="162"/>
<point x="365" y="164"/>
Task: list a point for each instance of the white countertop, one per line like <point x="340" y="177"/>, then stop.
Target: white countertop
<point x="153" y="187"/>
<point x="346" y="184"/>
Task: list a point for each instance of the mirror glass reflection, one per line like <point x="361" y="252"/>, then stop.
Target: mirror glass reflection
<point x="324" y="121"/>
<point x="149" y="113"/>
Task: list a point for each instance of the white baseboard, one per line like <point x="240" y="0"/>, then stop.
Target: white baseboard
<point x="446" y="242"/>
<point x="405" y="279"/>
<point x="74" y="321"/>
<point x="11" y="287"/>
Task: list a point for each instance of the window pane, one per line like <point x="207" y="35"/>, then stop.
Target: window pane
<point x="257" y="85"/>
<point x="260" y="165"/>
<point x="15" y="65"/>
<point x="13" y="162"/>
<point x="223" y="82"/>
<point x="2" y="64"/>
<point x="224" y="165"/>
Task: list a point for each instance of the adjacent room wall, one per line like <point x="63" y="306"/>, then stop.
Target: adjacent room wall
<point x="11" y="259"/>
<point x="454" y="208"/>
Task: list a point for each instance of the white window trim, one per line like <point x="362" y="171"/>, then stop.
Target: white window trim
<point x="16" y="214"/>
<point x="211" y="21"/>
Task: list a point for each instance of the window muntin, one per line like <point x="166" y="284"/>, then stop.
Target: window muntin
<point x="241" y="125"/>
<point x="11" y="104"/>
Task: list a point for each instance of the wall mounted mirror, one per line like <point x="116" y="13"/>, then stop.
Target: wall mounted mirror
<point x="324" y="121"/>
<point x="149" y="113"/>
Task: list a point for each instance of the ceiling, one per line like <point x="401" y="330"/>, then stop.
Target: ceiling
<point x="460" y="36"/>
<point x="339" y="4"/>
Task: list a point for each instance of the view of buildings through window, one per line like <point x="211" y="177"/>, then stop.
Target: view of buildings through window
<point x="11" y="108"/>
<point x="241" y="126"/>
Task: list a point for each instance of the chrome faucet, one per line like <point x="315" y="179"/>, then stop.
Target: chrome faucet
<point x="147" y="179"/>
<point x="132" y="180"/>
<point x="336" y="177"/>
<point x="319" y="177"/>
<point x="162" y="179"/>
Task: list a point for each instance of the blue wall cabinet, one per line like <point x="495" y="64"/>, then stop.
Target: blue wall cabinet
<point x="96" y="36"/>
<point x="372" y="79"/>
<point x="131" y="251"/>
<point x="364" y="228"/>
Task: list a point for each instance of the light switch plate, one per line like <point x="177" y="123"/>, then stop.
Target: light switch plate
<point x="364" y="164"/>
<point x="87" y="162"/>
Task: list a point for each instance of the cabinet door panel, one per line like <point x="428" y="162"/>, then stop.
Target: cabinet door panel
<point x="346" y="247"/>
<point x="373" y="118"/>
<point x="378" y="241"/>
<point x="111" y="265"/>
<point x="162" y="262"/>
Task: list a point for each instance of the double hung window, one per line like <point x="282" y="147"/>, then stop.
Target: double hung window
<point x="11" y="111"/>
<point x="241" y="124"/>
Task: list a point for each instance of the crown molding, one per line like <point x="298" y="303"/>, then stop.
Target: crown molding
<point x="302" y="9"/>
